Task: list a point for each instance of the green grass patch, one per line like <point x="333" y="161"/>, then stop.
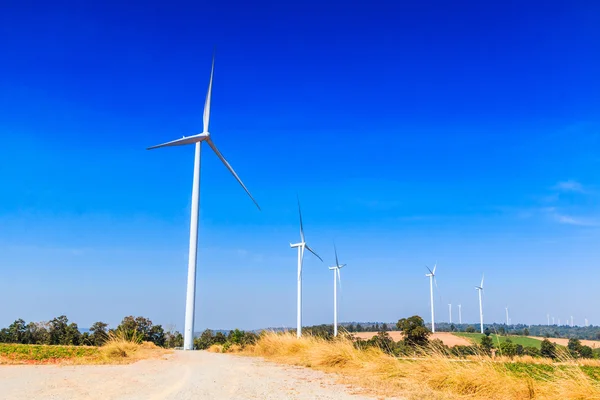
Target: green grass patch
<point x="497" y="339"/>
<point x="44" y="353"/>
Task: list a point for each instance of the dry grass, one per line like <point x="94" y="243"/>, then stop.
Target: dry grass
<point x="123" y="349"/>
<point x="434" y="376"/>
<point x="117" y="350"/>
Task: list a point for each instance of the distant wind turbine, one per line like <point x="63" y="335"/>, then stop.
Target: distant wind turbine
<point x="548" y="316"/>
<point x="480" y="289"/>
<point x="193" y="247"/>
<point x="552" y="320"/>
<point x="431" y="276"/>
<point x="507" y="319"/>
<point x="301" y="246"/>
<point x="450" y="310"/>
<point x="336" y="279"/>
<point x="459" y="314"/>
<point x="586" y="322"/>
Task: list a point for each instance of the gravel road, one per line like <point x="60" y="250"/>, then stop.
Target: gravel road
<point x="183" y="375"/>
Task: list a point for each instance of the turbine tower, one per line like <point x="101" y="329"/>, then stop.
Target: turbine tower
<point x="197" y="139"/>
<point x="548" y="316"/>
<point x="431" y="276"/>
<point x="459" y="314"/>
<point x="336" y="271"/>
<point x="450" y="310"/>
<point x="507" y="319"/>
<point x="480" y="289"/>
<point x="301" y="246"/>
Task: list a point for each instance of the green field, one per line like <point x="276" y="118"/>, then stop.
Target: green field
<point x="43" y="353"/>
<point x="522" y="340"/>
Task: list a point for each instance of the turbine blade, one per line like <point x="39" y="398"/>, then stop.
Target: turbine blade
<point x="482" y="276"/>
<point x="435" y="281"/>
<point x="311" y="250"/>
<point x="301" y="226"/>
<point x="434" y="267"/>
<point x="429" y="270"/>
<point x="337" y="263"/>
<point x="180" y="142"/>
<point x="218" y="153"/>
<point x="206" y="117"/>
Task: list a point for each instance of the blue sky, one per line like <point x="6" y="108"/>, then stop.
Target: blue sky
<point x="466" y="133"/>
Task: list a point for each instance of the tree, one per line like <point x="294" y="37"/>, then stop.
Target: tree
<point x="72" y="335"/>
<point x="99" y="333"/>
<point x="58" y="330"/>
<point x="508" y="348"/>
<point x="586" y="352"/>
<point x="525" y="332"/>
<point x="415" y="331"/>
<point x="384" y="327"/>
<point x="470" y="329"/>
<point x="140" y="327"/>
<point x="548" y="349"/>
<point x="384" y="341"/>
<point x="16" y="331"/>
<point x="487" y="332"/>
<point x="452" y="328"/>
<point x="359" y="328"/>
<point x="487" y="344"/>
<point x="204" y="341"/>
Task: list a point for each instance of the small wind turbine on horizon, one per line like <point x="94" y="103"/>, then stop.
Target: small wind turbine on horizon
<point x="459" y="314"/>
<point x="507" y="319"/>
<point x="336" y="271"/>
<point x="197" y="139"/>
<point x="548" y="316"/>
<point x="480" y="289"/>
<point x="450" y="310"/>
<point x="431" y="276"/>
<point x="301" y="246"/>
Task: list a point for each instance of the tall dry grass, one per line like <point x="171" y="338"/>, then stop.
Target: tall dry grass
<point x="432" y="375"/>
<point x="126" y="348"/>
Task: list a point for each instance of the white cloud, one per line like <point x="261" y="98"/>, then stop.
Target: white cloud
<point x="569" y="186"/>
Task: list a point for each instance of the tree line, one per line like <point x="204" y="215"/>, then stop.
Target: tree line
<point x="59" y="331"/>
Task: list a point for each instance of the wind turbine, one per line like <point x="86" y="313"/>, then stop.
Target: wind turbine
<point x="480" y="289"/>
<point x="301" y="246"/>
<point x="450" y="310"/>
<point x="193" y="247"/>
<point x="552" y="320"/>
<point x="431" y="276"/>
<point x="336" y="271"/>
<point x="507" y="319"/>
<point x="459" y="314"/>
<point x="548" y="316"/>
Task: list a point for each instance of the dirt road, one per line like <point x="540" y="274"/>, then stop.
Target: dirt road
<point x="184" y="375"/>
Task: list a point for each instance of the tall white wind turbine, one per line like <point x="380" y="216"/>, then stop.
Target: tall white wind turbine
<point x="450" y="311"/>
<point x="431" y="276"/>
<point x="301" y="246"/>
<point x="459" y="314"/>
<point x="197" y="139"/>
<point x="480" y="289"/>
<point x="548" y="316"/>
<point x="336" y="278"/>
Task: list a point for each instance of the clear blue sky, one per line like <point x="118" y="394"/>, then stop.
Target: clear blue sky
<point x="466" y="133"/>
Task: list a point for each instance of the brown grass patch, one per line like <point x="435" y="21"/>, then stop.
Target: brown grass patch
<point x="435" y="376"/>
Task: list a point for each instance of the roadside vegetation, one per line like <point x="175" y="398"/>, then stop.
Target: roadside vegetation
<point x="58" y="342"/>
<point x="418" y="368"/>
